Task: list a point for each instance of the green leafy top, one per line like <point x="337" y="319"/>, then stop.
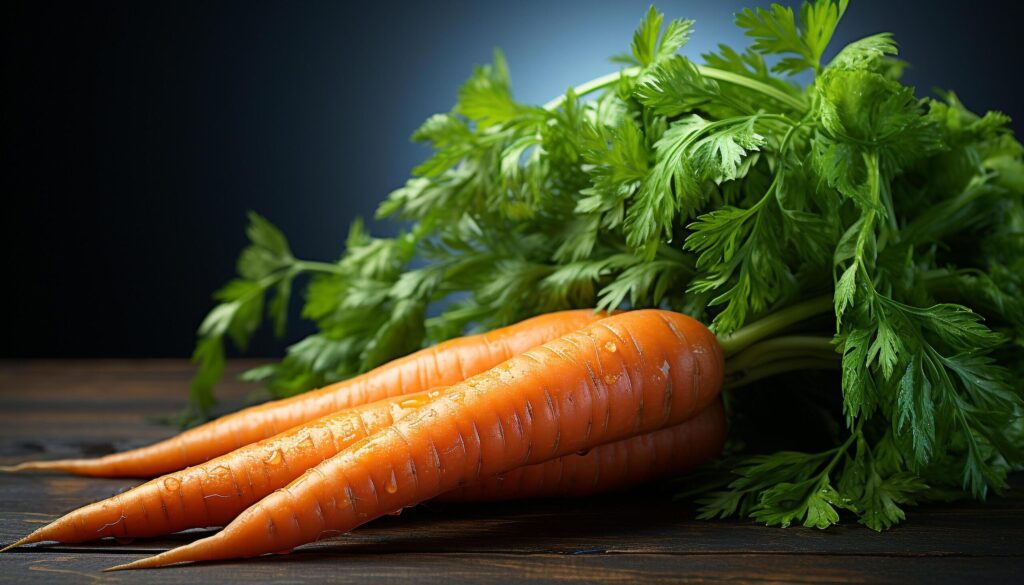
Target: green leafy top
<point x="724" y="190"/>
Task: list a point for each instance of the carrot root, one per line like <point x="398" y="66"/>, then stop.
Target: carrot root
<point x="68" y="465"/>
<point x="183" y="554"/>
<point x="237" y="480"/>
<point x="626" y="375"/>
<point x="27" y="540"/>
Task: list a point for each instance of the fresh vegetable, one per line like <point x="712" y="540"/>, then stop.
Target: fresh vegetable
<point x="213" y="493"/>
<point x="440" y="365"/>
<point x="625" y="375"/>
<point x="630" y="462"/>
<point x="725" y="189"/>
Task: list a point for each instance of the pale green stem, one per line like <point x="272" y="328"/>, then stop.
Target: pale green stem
<point x="772" y="324"/>
<point x="710" y="72"/>
<point x="311" y="266"/>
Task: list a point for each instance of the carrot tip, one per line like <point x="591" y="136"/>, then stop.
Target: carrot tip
<point x="32" y="466"/>
<point x="152" y="562"/>
<point x="27" y="540"/>
<point x="139" y="564"/>
<point x="124" y="567"/>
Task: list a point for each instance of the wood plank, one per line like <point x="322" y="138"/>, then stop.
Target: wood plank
<point x="55" y="409"/>
<point x="458" y="569"/>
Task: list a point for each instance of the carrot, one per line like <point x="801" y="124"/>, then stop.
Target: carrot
<point x="441" y="365"/>
<point x="214" y="492"/>
<point x="625" y="375"/>
<point x="615" y="466"/>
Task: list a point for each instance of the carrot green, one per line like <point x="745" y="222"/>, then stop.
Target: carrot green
<point x="722" y="188"/>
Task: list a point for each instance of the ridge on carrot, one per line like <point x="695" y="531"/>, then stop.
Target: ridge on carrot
<point x="610" y="467"/>
<point x="625" y="375"/>
<point x="439" y="365"/>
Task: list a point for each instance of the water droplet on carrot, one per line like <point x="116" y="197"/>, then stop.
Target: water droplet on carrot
<point x="610" y="379"/>
<point x="275" y="458"/>
<point x="610" y="346"/>
<point x="392" y="484"/>
<point x="172" y="484"/>
<point x="433" y="394"/>
<point x="412" y="403"/>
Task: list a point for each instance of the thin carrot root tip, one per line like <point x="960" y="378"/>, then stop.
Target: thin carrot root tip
<point x="171" y="557"/>
<point x="31" y="466"/>
<point x="125" y="567"/>
<point x="139" y="564"/>
<point x="27" y="540"/>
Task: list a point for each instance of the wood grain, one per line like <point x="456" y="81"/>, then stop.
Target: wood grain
<point x="58" y="409"/>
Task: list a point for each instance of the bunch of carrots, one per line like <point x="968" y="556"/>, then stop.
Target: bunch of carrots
<point x="568" y="403"/>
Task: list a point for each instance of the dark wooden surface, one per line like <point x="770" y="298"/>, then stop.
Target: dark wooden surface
<point x="56" y="409"/>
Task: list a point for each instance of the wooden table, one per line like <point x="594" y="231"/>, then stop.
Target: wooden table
<point x="53" y="409"/>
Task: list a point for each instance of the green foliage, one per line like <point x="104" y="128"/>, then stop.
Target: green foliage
<point x="725" y="190"/>
<point x="776" y="31"/>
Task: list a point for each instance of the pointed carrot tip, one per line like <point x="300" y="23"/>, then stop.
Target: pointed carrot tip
<point x="27" y="540"/>
<point x="144" y="563"/>
<point x="159" y="560"/>
<point x="32" y="466"/>
<point x="124" y="567"/>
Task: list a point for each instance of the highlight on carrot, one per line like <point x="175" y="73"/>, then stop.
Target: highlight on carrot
<point x="625" y="375"/>
<point x="213" y="493"/>
<point x="440" y="365"/>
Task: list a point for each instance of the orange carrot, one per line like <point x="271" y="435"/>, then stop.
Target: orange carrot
<point x="213" y="493"/>
<point x="615" y="466"/>
<point x="441" y="365"/>
<point x="625" y="375"/>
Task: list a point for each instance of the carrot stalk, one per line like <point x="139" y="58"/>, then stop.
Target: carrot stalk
<point x="441" y="365"/>
<point x="628" y="374"/>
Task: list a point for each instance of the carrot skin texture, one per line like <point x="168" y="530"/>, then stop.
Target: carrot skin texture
<point x="628" y="374"/>
<point x="607" y="468"/>
<point x="215" y="492"/>
<point x="440" y="365"/>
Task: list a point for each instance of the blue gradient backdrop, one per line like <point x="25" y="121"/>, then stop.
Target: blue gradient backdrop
<point x="136" y="135"/>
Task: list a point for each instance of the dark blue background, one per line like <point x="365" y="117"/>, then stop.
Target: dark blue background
<point x="137" y="134"/>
